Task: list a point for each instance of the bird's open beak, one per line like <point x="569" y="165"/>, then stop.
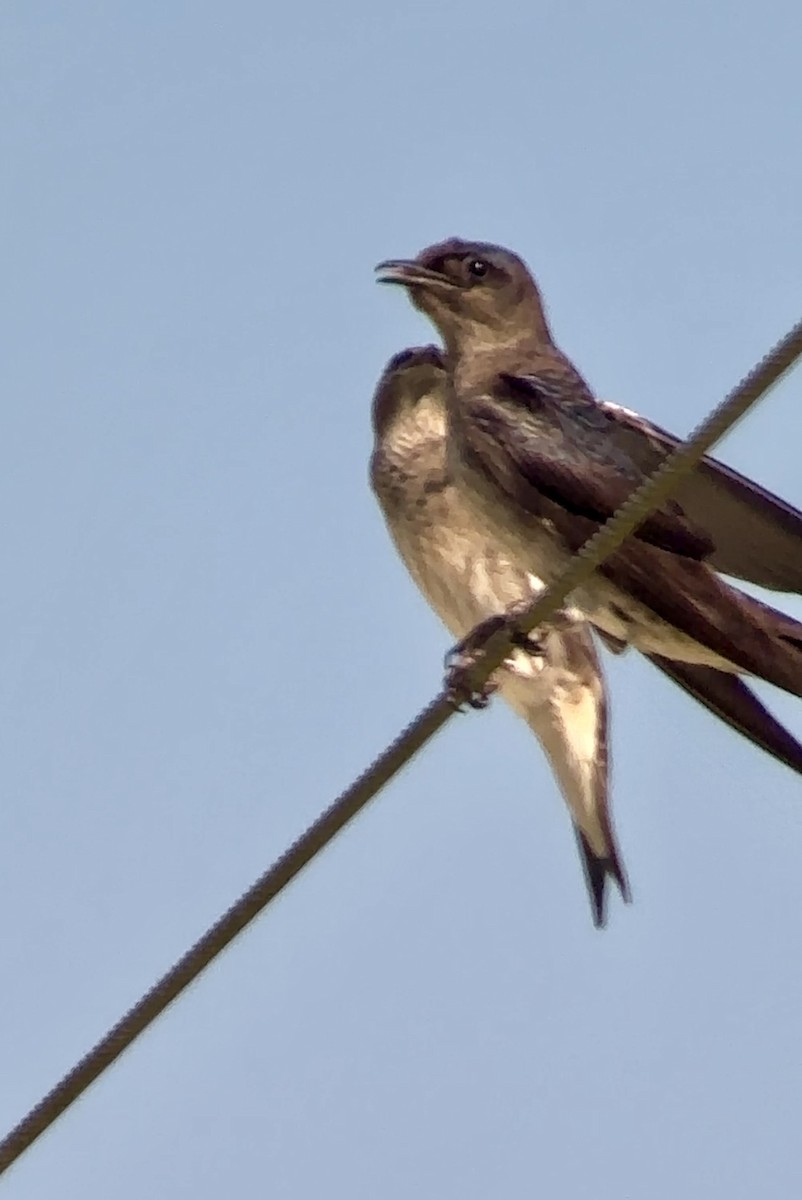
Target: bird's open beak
<point x="409" y="273"/>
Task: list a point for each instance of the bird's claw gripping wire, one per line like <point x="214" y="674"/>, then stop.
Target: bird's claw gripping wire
<point x="463" y="659"/>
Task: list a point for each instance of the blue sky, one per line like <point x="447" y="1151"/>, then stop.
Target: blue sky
<point x="206" y="633"/>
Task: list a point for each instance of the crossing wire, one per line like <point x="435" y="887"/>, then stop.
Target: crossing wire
<point x="654" y="492"/>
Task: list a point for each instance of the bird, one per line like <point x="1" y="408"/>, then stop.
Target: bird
<point x="544" y="464"/>
<point x="556" y="685"/>
<point x="465" y="578"/>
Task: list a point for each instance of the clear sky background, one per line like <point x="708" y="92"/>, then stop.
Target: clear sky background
<point x="206" y="633"/>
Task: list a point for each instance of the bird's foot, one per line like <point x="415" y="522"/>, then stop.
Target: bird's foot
<point x="463" y="659"/>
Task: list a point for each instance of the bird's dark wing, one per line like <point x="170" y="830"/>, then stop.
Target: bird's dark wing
<point x="734" y="702"/>
<point x="757" y="536"/>
<point x="541" y="449"/>
<point x="547" y="471"/>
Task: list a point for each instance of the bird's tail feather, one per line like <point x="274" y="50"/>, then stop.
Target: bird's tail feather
<point x="599" y="870"/>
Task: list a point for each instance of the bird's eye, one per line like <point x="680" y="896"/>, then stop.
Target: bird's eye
<point x="477" y="267"/>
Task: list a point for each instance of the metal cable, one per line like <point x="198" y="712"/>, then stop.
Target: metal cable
<point x="646" y="498"/>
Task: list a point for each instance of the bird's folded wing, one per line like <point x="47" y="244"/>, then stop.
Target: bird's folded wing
<point x="540" y="452"/>
<point x="541" y="466"/>
<point x="757" y="536"/>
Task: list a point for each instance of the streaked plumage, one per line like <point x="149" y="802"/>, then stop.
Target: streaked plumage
<point x="559" y="693"/>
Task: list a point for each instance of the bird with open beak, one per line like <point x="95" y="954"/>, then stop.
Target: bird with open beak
<point x="544" y="464"/>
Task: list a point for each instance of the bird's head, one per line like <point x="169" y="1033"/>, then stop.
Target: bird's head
<point x="474" y="292"/>
<point x="409" y="377"/>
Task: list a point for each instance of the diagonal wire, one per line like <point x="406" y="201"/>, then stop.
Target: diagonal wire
<point x="644" y="500"/>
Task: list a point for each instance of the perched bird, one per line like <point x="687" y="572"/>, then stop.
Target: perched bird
<point x="557" y="686"/>
<point x="544" y="464"/>
<point x="466" y="577"/>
